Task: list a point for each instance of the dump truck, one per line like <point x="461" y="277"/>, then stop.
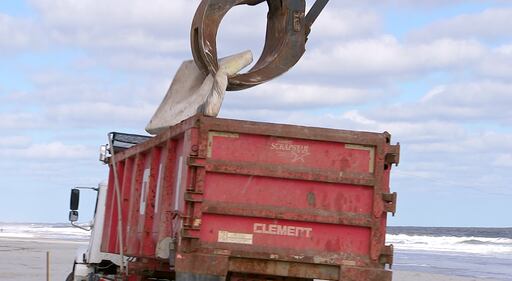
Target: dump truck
<point x="214" y="199"/>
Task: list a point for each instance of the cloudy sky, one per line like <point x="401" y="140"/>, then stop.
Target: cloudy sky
<point x="436" y="74"/>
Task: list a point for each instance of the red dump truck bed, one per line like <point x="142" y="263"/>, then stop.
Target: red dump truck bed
<point x="211" y="199"/>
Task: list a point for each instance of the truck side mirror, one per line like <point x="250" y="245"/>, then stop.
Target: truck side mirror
<point x="75" y="198"/>
<point x="73" y="216"/>
<point x="103" y="154"/>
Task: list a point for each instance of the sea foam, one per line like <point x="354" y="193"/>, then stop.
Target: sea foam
<point x="42" y="231"/>
<point x="471" y="245"/>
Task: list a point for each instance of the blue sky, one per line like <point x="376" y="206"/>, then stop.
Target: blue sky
<point x="435" y="74"/>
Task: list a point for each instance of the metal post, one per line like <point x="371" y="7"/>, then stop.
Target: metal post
<point x="48" y="266"/>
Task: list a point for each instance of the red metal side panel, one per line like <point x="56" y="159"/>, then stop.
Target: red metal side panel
<point x="297" y="152"/>
<point x="161" y="192"/>
<point x="164" y="208"/>
<point x="152" y="185"/>
<point x="285" y="214"/>
<point x="148" y="197"/>
<point x="276" y="235"/>
<point x="110" y="230"/>
<point x="300" y="195"/>
<point x="126" y="192"/>
<point x="134" y="224"/>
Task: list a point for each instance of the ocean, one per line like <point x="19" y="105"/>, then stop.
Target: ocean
<point x="467" y="252"/>
<point x="54" y="231"/>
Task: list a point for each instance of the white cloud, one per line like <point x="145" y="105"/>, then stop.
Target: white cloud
<point x="155" y="26"/>
<point x="68" y="116"/>
<point x="490" y="24"/>
<point x="18" y="34"/>
<point x="505" y="49"/>
<point x="92" y="114"/>
<point x="475" y="143"/>
<point x="286" y="96"/>
<point x="115" y="13"/>
<point x="14" y="141"/>
<point x="459" y="102"/>
<point x="53" y="88"/>
<point x="385" y="56"/>
<point x="46" y="151"/>
<point x="158" y="64"/>
<point x="498" y="63"/>
<point x="477" y="94"/>
<point x="356" y="117"/>
<point x="19" y="120"/>
<point x="408" y="131"/>
<point x="503" y="160"/>
<point x="410" y="3"/>
<point x="336" y="24"/>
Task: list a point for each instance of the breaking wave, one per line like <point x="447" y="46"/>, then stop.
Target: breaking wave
<point x="42" y="231"/>
<point x="472" y="245"/>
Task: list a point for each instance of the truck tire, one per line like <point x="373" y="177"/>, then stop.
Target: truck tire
<point x="70" y="277"/>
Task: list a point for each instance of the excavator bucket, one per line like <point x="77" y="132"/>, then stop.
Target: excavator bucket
<point x="288" y="27"/>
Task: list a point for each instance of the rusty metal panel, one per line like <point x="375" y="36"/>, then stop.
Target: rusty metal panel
<point x="317" y="196"/>
<point x="295" y="236"/>
<point x="277" y="268"/>
<point x="231" y="194"/>
<point x="348" y="158"/>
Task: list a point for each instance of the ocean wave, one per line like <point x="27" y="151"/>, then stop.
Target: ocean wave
<point x="43" y="231"/>
<point x="506" y="242"/>
<point x="472" y="245"/>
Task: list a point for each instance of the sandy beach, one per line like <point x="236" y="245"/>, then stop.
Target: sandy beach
<point x="417" y="276"/>
<point x="25" y="259"/>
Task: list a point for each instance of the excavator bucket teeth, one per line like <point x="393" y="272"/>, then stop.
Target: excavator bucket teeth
<point x="287" y="31"/>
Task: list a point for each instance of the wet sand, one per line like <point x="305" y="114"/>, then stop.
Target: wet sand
<point x="25" y="259"/>
<point x="416" y="276"/>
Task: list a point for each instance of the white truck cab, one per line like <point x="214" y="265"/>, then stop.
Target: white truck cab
<point x="90" y="262"/>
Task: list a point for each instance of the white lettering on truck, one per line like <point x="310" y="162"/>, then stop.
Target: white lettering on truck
<point x="296" y="151"/>
<point x="283" y="230"/>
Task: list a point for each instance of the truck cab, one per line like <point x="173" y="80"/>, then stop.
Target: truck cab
<point x="89" y="260"/>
